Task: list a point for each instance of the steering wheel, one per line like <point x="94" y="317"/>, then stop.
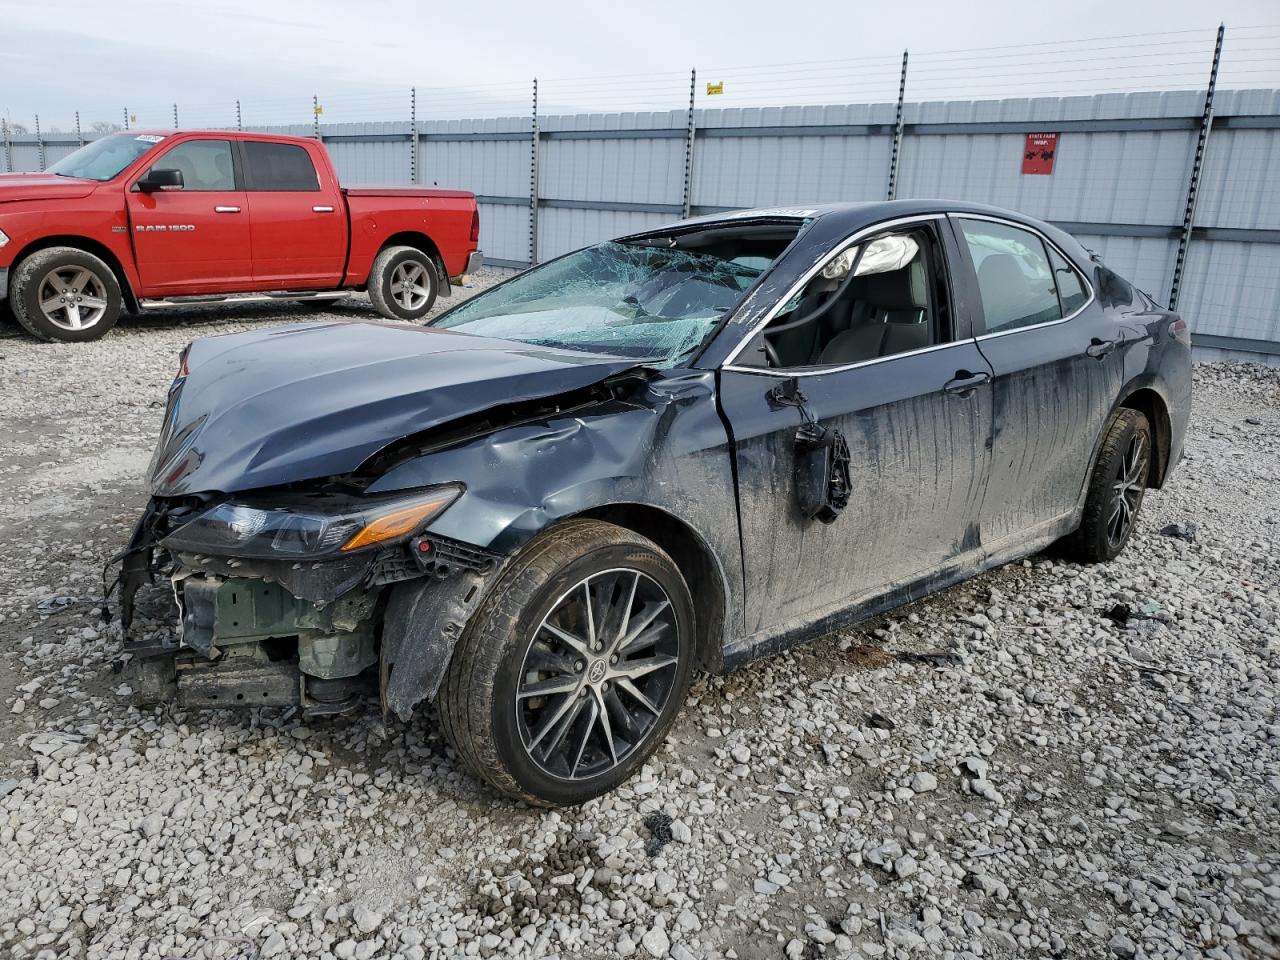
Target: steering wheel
<point x="770" y="353"/>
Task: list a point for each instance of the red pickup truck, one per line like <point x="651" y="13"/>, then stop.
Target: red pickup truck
<point x="140" y="220"/>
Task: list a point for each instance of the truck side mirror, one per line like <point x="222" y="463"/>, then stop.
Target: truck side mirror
<point x="160" y="179"/>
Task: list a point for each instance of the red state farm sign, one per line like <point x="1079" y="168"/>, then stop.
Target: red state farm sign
<point x="1037" y="155"/>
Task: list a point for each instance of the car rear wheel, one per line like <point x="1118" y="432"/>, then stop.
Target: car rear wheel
<point x="573" y="668"/>
<point x="403" y="283"/>
<point x="1116" y="489"/>
<point x="65" y="294"/>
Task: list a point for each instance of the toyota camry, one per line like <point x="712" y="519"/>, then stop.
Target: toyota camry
<point x="671" y="452"/>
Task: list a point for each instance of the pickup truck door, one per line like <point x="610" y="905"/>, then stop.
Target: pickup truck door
<point x="298" y="217"/>
<point x="193" y="239"/>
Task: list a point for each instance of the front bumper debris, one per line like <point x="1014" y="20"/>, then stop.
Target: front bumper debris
<point x="258" y="633"/>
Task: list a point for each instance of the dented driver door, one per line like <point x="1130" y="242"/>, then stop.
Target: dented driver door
<point x="918" y="468"/>
<point x="918" y="426"/>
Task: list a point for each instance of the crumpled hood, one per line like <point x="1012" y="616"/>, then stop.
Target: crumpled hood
<point x="43" y="186"/>
<point x="307" y="401"/>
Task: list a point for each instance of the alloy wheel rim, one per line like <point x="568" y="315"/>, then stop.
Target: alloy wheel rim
<point x="72" y="298"/>
<point x="1126" y="491"/>
<point x="410" y="285"/>
<point x="597" y="675"/>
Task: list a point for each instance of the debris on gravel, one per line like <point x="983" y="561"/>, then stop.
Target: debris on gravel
<point x="1065" y="782"/>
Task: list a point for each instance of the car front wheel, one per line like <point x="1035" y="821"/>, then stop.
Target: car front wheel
<point x="62" y="293"/>
<point x="573" y="668"/>
<point x="403" y="283"/>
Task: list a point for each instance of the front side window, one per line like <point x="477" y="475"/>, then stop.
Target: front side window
<point x="205" y="165"/>
<point x="1015" y="279"/>
<point x="105" y="157"/>
<point x="656" y="299"/>
<point x="883" y="297"/>
<point x="280" y="167"/>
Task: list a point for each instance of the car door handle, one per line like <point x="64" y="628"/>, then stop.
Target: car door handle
<point x="322" y="209"/>
<point x="965" y="383"/>
<point x="226" y="209"/>
<point x="1099" y="348"/>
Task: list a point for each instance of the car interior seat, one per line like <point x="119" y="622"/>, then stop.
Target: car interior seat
<point x="892" y="316"/>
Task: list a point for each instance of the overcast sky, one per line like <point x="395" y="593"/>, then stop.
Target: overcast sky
<point x="99" y="55"/>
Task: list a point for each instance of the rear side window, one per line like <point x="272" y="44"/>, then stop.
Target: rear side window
<point x="279" y="166"/>
<point x="1014" y="276"/>
<point x="205" y="164"/>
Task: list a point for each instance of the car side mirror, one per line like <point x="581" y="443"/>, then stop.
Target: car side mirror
<point x="160" y="179"/>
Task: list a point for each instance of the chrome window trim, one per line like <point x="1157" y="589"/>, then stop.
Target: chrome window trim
<point x="1048" y="243"/>
<point x="799" y="285"/>
<point x="821" y="371"/>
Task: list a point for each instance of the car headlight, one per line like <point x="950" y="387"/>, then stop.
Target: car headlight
<point x="312" y="527"/>
<point x="4" y="238"/>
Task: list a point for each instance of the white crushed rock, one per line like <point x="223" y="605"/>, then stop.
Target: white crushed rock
<point x="1072" y="787"/>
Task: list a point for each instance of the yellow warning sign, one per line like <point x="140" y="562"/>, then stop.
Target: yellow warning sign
<point x="319" y="109"/>
<point x="715" y="89"/>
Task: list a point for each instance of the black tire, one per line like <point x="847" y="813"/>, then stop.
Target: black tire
<point x="394" y="303"/>
<point x="1116" y="490"/>
<point x="42" y="270"/>
<point x="480" y="713"/>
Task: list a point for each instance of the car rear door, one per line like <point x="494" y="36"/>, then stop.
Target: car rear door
<point x="196" y="238"/>
<point x="299" y="220"/>
<point x="917" y="423"/>
<point x="1057" y="361"/>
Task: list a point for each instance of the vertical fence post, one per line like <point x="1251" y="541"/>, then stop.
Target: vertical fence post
<point x="533" y="180"/>
<point x="413" y="135"/>
<point x="896" y="152"/>
<point x="79" y="135"/>
<point x="315" y="117"/>
<point x="686" y="199"/>
<point x="8" y="145"/>
<point x="39" y="142"/>
<point x="239" y="119"/>
<point x="126" y="118"/>
<point x="1197" y="165"/>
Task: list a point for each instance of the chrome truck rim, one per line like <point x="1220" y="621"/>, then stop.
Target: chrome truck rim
<point x="72" y="298"/>
<point x="598" y="673"/>
<point x="410" y="285"/>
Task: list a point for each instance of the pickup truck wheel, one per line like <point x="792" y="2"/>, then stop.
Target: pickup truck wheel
<point x="65" y="294"/>
<point x="573" y="668"/>
<point x="403" y="283"/>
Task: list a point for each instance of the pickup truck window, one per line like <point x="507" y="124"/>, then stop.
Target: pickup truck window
<point x="279" y="166"/>
<point x="205" y="165"/>
<point x="104" y="158"/>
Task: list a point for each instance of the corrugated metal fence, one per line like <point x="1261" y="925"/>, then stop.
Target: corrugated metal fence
<point x="1120" y="179"/>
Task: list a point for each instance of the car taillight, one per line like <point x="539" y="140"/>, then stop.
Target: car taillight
<point x="1180" y="331"/>
<point x="475" y="227"/>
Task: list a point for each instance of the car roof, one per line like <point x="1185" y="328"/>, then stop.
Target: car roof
<point x="845" y="218"/>
<point x="855" y="214"/>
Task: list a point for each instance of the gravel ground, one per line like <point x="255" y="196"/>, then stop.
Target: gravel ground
<point x="1049" y="760"/>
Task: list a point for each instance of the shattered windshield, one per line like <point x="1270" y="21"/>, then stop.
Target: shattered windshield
<point x="652" y="300"/>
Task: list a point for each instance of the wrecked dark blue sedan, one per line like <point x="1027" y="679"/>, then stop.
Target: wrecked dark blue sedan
<point x="675" y="451"/>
